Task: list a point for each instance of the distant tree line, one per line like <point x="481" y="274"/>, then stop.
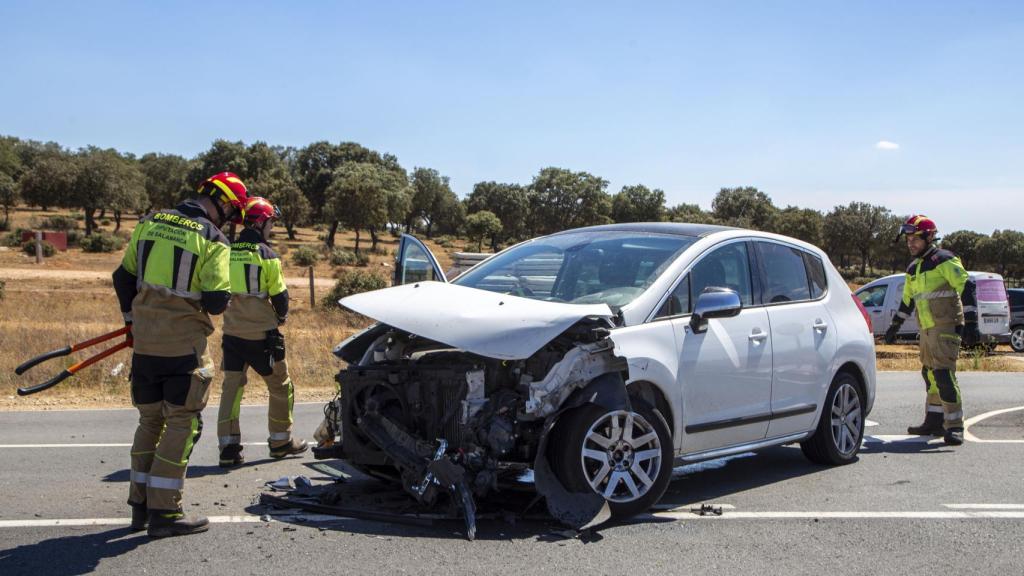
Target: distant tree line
<point x="347" y="185"/>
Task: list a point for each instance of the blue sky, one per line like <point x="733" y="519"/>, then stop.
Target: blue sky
<point x="792" y="97"/>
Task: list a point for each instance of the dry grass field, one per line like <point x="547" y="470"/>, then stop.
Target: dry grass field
<point x="38" y="315"/>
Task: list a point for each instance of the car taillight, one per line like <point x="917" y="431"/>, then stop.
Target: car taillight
<point x="863" y="312"/>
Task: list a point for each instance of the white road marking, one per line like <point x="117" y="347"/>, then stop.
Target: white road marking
<point x="78" y="522"/>
<point x="870" y="423"/>
<point x="901" y="438"/>
<point x="132" y="408"/>
<point x="985" y="506"/>
<point x="2" y="446"/>
<point x="851" y="515"/>
<point x="972" y="421"/>
<point x="695" y="505"/>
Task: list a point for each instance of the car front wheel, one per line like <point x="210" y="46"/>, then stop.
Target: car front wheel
<point x="840" y="430"/>
<point x="1017" y="339"/>
<point x="625" y="456"/>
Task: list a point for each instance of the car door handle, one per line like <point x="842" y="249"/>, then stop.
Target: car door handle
<point x="820" y="325"/>
<point x="757" y="335"/>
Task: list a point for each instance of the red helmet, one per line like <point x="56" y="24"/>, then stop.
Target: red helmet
<point x="920" y="225"/>
<point x="259" y="210"/>
<point x="227" y="187"/>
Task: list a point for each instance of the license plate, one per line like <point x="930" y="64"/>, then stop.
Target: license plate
<point x="993" y="320"/>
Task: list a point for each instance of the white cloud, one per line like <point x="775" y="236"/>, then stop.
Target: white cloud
<point x="886" y="145"/>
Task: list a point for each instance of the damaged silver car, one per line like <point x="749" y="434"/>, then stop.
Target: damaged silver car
<point x="596" y="358"/>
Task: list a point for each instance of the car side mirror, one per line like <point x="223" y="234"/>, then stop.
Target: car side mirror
<point x="714" y="302"/>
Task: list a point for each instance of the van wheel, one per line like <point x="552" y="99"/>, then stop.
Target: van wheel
<point x="1017" y="339"/>
<point x="623" y="456"/>
<point x="840" y="430"/>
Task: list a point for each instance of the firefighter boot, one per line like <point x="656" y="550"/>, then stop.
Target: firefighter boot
<point x="140" y="517"/>
<point x="231" y="456"/>
<point x="289" y="448"/>
<point x="953" y="437"/>
<point x="163" y="524"/>
<point x="932" y="425"/>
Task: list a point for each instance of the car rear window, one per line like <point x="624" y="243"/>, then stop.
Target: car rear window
<point x="816" y="274"/>
<point x="991" y="290"/>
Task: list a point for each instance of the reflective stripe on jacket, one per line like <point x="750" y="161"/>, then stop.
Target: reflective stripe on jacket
<point x="259" y="294"/>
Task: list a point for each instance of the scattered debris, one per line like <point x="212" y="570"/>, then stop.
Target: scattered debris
<point x="707" y="510"/>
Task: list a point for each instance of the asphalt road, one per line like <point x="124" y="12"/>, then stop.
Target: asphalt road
<point x="906" y="507"/>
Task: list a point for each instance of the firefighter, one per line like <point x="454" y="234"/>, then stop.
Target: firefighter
<point x="935" y="284"/>
<point x="252" y="339"/>
<point x="173" y="276"/>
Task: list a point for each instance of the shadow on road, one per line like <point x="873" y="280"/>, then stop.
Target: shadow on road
<point x="69" y="555"/>
<point x="193" y="471"/>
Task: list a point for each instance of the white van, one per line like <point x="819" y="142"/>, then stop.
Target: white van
<point x="882" y="298"/>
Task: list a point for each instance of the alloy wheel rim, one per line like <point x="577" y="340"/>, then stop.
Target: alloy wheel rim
<point x="846" y="420"/>
<point x="621" y="456"/>
<point x="1017" y="339"/>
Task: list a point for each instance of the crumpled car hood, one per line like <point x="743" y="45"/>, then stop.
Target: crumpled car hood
<point x="486" y="323"/>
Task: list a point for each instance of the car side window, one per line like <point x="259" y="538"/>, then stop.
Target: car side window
<point x="726" y="267"/>
<point x="816" y="274"/>
<point x="873" y="297"/>
<point x="678" y="301"/>
<point x="785" y="276"/>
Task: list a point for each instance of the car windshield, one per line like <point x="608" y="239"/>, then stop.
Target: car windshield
<point x="581" y="267"/>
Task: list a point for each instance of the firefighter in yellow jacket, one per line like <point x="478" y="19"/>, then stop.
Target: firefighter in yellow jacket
<point x="252" y="339"/>
<point x="173" y="276"/>
<point x="936" y="285"/>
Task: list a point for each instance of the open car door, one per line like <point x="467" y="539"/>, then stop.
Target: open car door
<point x="415" y="263"/>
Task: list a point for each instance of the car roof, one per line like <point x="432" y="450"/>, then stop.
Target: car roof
<point x="676" y="228"/>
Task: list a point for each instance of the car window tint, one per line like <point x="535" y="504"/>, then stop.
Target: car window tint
<point x="678" y="301"/>
<point x="873" y="297"/>
<point x="785" y="276"/>
<point x="417" y="265"/>
<point x="726" y="267"/>
<point x="815" y="273"/>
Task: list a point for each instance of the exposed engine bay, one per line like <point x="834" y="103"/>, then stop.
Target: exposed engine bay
<point x="451" y="426"/>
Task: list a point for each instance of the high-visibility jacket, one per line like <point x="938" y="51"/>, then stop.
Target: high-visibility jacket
<point x="173" y="274"/>
<point x="259" y="295"/>
<point x="935" y="283"/>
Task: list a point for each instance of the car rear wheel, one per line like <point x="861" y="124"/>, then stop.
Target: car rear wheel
<point x="624" y="456"/>
<point x="1017" y="339"/>
<point x="840" y="430"/>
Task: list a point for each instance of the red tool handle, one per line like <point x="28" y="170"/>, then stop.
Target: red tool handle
<point x="71" y="349"/>
<point x="71" y="371"/>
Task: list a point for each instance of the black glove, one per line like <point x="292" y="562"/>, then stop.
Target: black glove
<point x="970" y="334"/>
<point x="890" y="334"/>
<point x="274" y="345"/>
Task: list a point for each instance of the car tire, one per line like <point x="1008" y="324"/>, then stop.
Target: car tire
<point x="630" y="461"/>
<point x="840" y="430"/>
<point x="1017" y="338"/>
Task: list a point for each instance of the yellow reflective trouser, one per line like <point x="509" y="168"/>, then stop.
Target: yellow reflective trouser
<point x="280" y="410"/>
<point x="940" y="348"/>
<point x="170" y="393"/>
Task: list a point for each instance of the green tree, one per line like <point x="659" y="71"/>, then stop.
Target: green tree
<point x="432" y="198"/>
<point x="165" y="176"/>
<point x="638" y="204"/>
<point x="10" y="161"/>
<point x="745" y="207"/>
<point x="562" y="199"/>
<point x="803" y="223"/>
<point x="399" y="202"/>
<point x="480" y="225"/>
<point x="357" y="197"/>
<point x="1003" y="251"/>
<point x="964" y="243"/>
<point x="106" y="179"/>
<point x="9" y="196"/>
<point x="509" y="202"/>
<point x="861" y="225"/>
<point x="50" y="180"/>
<point x="690" y="213"/>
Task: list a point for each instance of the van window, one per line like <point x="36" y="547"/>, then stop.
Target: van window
<point x="784" y="273"/>
<point x="990" y="290"/>
<point x="726" y="267"/>
<point x="873" y="297"/>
